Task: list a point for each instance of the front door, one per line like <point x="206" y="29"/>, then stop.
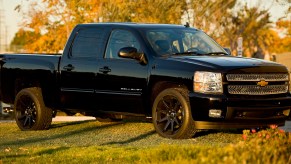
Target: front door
<point x="123" y="80"/>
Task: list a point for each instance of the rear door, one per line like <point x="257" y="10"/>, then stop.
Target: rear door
<point x="123" y="81"/>
<point x="79" y="68"/>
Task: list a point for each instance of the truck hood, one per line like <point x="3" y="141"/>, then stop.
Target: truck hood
<point x="228" y="63"/>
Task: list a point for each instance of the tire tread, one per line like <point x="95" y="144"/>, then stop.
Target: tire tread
<point x="188" y="128"/>
<point x="45" y="113"/>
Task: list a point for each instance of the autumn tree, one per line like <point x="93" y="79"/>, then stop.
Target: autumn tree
<point x="252" y="24"/>
<point x="208" y="14"/>
<point x="159" y="11"/>
<point x="283" y="43"/>
<point x="53" y="20"/>
<point x="21" y="38"/>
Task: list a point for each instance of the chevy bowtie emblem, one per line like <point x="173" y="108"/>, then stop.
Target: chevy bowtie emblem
<point x="262" y="83"/>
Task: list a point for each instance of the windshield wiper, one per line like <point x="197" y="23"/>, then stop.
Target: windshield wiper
<point x="188" y="53"/>
<point x="216" y="53"/>
<point x="200" y="54"/>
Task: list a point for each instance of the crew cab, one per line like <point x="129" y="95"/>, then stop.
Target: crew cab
<point x="176" y="75"/>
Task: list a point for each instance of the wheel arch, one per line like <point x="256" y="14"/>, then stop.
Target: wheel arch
<point x="40" y="80"/>
<point x="158" y="87"/>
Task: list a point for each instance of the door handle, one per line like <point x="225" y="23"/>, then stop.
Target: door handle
<point x="69" y="67"/>
<point x="105" y="69"/>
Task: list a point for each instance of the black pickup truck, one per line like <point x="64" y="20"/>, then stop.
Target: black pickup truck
<point x="176" y="75"/>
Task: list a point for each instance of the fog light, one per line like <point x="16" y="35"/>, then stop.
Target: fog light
<point x="286" y="112"/>
<point x="216" y="113"/>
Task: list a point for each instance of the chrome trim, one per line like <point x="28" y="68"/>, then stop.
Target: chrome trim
<point x="77" y="90"/>
<point x="119" y="93"/>
<point x="101" y="91"/>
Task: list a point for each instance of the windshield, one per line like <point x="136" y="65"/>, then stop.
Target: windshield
<point x="182" y="41"/>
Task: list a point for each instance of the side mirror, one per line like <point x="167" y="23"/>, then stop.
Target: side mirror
<point x="227" y="50"/>
<point x="131" y="52"/>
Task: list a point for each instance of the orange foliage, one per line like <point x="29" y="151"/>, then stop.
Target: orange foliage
<point x="53" y="20"/>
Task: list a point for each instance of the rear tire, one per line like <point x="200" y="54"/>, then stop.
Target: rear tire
<point x="172" y="116"/>
<point x="30" y="111"/>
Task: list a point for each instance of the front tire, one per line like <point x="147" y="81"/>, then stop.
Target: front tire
<point x="30" y="111"/>
<point x="172" y="114"/>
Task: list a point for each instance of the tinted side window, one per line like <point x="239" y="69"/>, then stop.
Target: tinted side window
<point x="118" y="40"/>
<point x="89" y="43"/>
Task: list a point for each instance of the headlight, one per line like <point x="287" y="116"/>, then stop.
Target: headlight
<point x="207" y="82"/>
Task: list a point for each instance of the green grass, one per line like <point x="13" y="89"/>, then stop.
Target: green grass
<point x="130" y="142"/>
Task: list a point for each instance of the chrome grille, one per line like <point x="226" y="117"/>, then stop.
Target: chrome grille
<point x="257" y="77"/>
<point x="257" y="90"/>
<point x="248" y="84"/>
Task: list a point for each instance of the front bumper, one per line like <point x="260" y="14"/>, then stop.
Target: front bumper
<point x="239" y="112"/>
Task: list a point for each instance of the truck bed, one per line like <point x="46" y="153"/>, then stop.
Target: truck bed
<point x="19" y="69"/>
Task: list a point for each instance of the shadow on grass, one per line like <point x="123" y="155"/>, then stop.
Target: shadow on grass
<point x="207" y="132"/>
<point x="60" y="135"/>
<point x="63" y="124"/>
<point x="43" y="152"/>
<point x="140" y="137"/>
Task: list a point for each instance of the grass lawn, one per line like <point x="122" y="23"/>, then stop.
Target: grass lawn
<point x="134" y="142"/>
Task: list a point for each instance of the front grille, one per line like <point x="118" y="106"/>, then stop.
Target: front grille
<point x="257" y="90"/>
<point x="250" y="84"/>
<point x="257" y="77"/>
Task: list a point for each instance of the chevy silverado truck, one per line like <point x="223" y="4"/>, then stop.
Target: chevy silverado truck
<point x="176" y="75"/>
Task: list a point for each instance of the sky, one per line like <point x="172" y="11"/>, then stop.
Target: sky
<point x="12" y="18"/>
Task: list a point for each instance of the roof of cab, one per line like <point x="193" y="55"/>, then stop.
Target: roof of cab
<point x="133" y="25"/>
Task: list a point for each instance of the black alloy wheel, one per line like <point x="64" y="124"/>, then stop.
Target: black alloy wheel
<point x="26" y="113"/>
<point x="172" y="114"/>
<point x="30" y="111"/>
